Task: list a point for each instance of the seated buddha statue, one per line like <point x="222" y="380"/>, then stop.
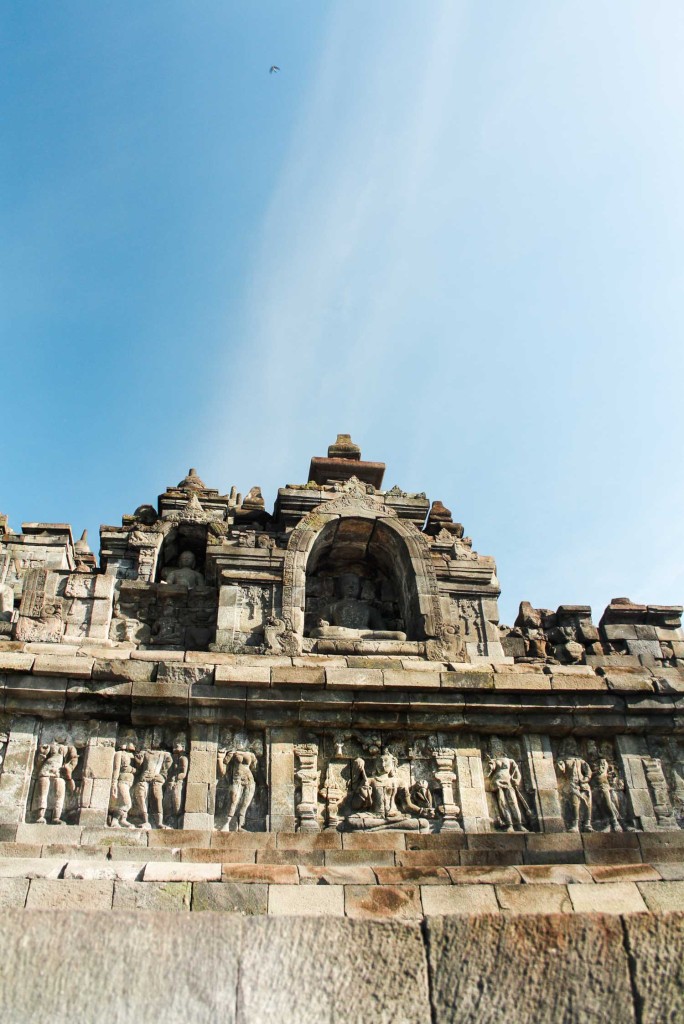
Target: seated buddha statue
<point x="185" y="572"/>
<point x="381" y="801"/>
<point x="350" y="616"/>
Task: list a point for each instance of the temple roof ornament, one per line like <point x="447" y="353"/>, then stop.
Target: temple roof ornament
<point x="192" y="482"/>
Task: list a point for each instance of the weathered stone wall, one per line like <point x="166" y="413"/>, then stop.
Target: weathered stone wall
<point x="470" y="970"/>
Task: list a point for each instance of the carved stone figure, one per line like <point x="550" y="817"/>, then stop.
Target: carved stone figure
<point x="123" y="777"/>
<point x="505" y="779"/>
<point x="185" y="572"/>
<point x="152" y="768"/>
<point x="381" y="801"/>
<point x="238" y="767"/>
<point x="421" y="798"/>
<point x="578" y="774"/>
<point x="351" y="616"/>
<point x="605" y="779"/>
<point x="55" y="765"/>
<point x="174" y="791"/>
<point x="278" y="639"/>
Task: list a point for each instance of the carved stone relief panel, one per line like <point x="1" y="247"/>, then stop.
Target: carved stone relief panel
<point x="241" y="786"/>
<point x="373" y="782"/>
<point x="148" y="779"/>
<point x="591" y="785"/>
<point x="510" y="792"/>
<point x="164" y="615"/>
<point x="669" y="751"/>
<point x="42" y="612"/>
<point x="57" y="774"/>
<point x="244" y="613"/>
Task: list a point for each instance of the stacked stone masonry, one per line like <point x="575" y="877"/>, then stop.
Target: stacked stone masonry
<point x="315" y="712"/>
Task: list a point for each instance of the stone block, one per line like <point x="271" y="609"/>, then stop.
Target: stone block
<point x="673" y="872"/>
<point x="409" y="679"/>
<point x="13" y="892"/>
<point x="173" y="871"/>
<point x="64" y="894"/>
<point x="354" y="678"/>
<point x="358" y="874"/>
<point x="548" y="898"/>
<point x="15" y="661"/>
<point x="355" y="971"/>
<point x="554" y="848"/>
<point x="477" y="875"/>
<point x="504" y="679"/>
<point x="611" y="848"/>
<point x="166" y="896"/>
<point x="244" y="675"/>
<point x="57" y="665"/>
<point x="661" y="846"/>
<point x="108" y="836"/>
<point x="179" y="837"/>
<point x="306" y="900"/>
<point x="309" y="841"/>
<point x="230" y="897"/>
<point x="242" y="840"/>
<point x="165" y="656"/>
<point x="38" y="835"/>
<point x="556" y="874"/>
<point x="31" y="867"/>
<point x="624" y="873"/>
<point x="459" y="899"/>
<point x="92" y="870"/>
<point x="118" y="671"/>
<point x="373" y="841"/>
<point x="424" y="858"/>
<point x="342" y="858"/>
<point x="312" y="857"/>
<point x="104" y="967"/>
<point x="413" y="876"/>
<point x="628" y="680"/>
<point x="397" y="902"/>
<point x="297" y="676"/>
<point x="19" y="850"/>
<point x="540" y="969"/>
<point x="273" y="874"/>
<point x="663" y="896"/>
<point x="436" y="841"/>
<point x="141" y="854"/>
<point x="178" y="674"/>
<point x="608" y="898"/>
<point x="656" y="947"/>
<point x="468" y="677"/>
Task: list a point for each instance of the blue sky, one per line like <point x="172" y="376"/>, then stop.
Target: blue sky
<point x="453" y="229"/>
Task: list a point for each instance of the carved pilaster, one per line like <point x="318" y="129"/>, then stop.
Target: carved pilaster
<point x="446" y="777"/>
<point x="545" y="783"/>
<point x="15" y="780"/>
<point x="471" y="786"/>
<point x="98" y="760"/>
<point x="200" y="787"/>
<point x="307" y="776"/>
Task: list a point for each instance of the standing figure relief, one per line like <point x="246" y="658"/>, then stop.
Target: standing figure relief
<point x="237" y="767"/>
<point x="55" y="766"/>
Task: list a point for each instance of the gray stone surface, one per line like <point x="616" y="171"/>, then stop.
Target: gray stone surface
<point x="376" y="974"/>
<point x="109" y="969"/>
<point x="529" y="970"/>
<point x="233" y="897"/>
<point x="656" y="949"/>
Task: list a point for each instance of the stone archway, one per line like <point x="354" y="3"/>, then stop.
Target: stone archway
<point x="396" y="544"/>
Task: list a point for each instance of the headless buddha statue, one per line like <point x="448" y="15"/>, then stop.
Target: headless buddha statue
<point x="350" y="616"/>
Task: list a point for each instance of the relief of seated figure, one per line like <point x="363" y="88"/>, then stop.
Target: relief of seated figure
<point x="185" y="572"/>
<point x="350" y="616"/>
<point x="381" y="801"/>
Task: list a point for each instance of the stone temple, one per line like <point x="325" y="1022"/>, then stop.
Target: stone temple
<point x="310" y="721"/>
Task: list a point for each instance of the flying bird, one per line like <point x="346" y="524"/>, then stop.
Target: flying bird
<point x="273" y="67"/>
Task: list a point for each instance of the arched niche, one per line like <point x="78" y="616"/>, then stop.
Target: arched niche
<point x="367" y="539"/>
<point x="180" y="538"/>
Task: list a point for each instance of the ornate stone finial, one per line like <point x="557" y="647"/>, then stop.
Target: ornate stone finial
<point x="192" y="482"/>
<point x="81" y="546"/>
<point x="192" y="512"/>
<point x="344" y="448"/>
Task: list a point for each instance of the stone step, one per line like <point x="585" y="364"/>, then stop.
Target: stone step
<point x="282" y="890"/>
